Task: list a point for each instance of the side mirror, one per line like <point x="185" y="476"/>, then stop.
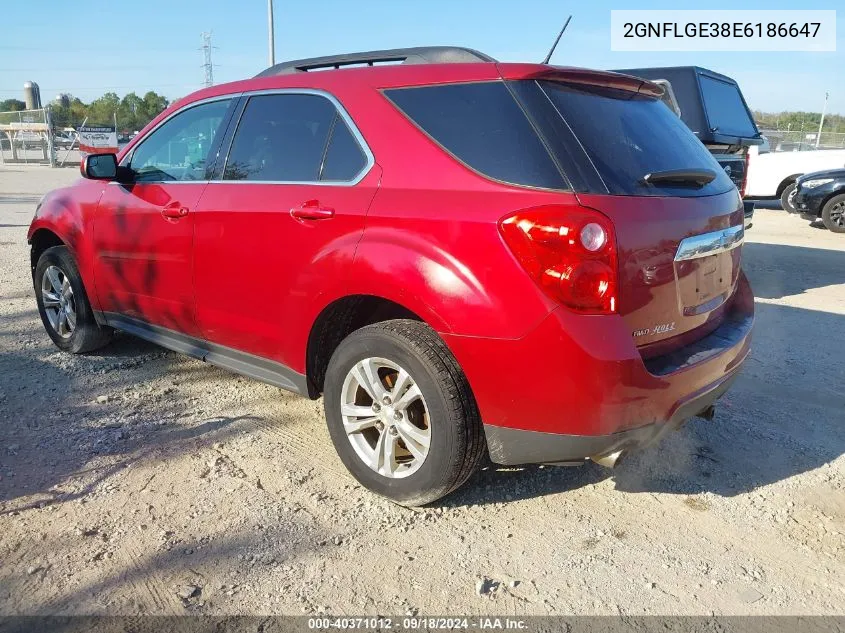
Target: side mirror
<point x="99" y="167"/>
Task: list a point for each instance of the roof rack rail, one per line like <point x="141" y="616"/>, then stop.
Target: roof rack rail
<point x="417" y="55"/>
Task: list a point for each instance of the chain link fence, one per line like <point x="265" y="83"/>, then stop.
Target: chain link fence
<point x="26" y="137"/>
<point x="798" y="140"/>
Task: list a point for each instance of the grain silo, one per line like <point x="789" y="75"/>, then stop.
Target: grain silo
<point x="32" y="95"/>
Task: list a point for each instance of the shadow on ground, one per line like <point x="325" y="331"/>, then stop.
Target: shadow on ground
<point x="62" y="434"/>
<point x="778" y="271"/>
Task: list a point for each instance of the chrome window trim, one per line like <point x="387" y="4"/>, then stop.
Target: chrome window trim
<point x="350" y="123"/>
<point x="128" y="158"/>
<point x="712" y="243"/>
<point x="347" y="118"/>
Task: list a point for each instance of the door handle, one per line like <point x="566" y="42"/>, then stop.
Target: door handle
<point x="174" y="212"/>
<point x="312" y="210"/>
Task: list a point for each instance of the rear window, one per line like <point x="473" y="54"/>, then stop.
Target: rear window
<point x="726" y="112"/>
<point x="482" y="126"/>
<point x="627" y="136"/>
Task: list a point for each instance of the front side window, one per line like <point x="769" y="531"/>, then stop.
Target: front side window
<point x="293" y="138"/>
<point x="179" y="148"/>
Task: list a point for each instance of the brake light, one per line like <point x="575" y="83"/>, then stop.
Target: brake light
<point x="569" y="251"/>
<point x="745" y="174"/>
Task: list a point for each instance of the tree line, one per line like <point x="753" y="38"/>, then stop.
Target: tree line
<point x="132" y="112"/>
<point x="797" y="121"/>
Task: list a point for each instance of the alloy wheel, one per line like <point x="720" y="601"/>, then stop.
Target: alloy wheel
<point x="58" y="300"/>
<point x="385" y="417"/>
<point x="837" y="214"/>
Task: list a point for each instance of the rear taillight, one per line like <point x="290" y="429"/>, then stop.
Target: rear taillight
<point x="569" y="251"/>
<point x="745" y="174"/>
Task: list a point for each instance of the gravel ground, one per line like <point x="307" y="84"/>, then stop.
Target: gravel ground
<point x="136" y="481"/>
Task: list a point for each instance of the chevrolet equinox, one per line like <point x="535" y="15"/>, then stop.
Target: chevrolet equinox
<point x="466" y="258"/>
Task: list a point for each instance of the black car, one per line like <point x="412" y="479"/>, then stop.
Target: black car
<point x="821" y="194"/>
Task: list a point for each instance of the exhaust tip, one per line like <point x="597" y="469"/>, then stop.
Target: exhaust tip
<point x="709" y="413"/>
<point x="611" y="460"/>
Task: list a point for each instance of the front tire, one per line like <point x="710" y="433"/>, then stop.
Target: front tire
<point x="401" y="414"/>
<point x="63" y="304"/>
<point x="833" y="214"/>
<point x="787" y="198"/>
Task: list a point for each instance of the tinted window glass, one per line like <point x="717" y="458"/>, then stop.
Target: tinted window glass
<point x="281" y="138"/>
<point x="344" y="158"/>
<point x="178" y="149"/>
<point x="725" y="109"/>
<point x="482" y="126"/>
<point x="577" y="169"/>
<point x="627" y="136"/>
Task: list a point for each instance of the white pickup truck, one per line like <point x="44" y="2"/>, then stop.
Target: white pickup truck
<point x="773" y="174"/>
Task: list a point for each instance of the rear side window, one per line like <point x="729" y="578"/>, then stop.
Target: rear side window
<point x="726" y="111"/>
<point x="293" y="138"/>
<point x="627" y="136"/>
<point x="344" y="157"/>
<point x="482" y="126"/>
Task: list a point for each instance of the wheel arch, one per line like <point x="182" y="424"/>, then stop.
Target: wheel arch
<point x="786" y="182"/>
<point x="835" y="194"/>
<point x="336" y="321"/>
<point x="40" y="240"/>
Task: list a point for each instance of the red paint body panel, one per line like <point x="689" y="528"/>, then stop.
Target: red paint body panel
<point x="69" y="214"/>
<point x="143" y="260"/>
<point x="295" y="265"/>
<point x="420" y="229"/>
<point x="583" y="375"/>
<point x="654" y="289"/>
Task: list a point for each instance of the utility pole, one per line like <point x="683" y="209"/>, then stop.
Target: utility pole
<point x="206" y="51"/>
<point x="821" y="123"/>
<point x="271" y="33"/>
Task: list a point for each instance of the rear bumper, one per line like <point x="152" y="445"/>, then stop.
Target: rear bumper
<point x="577" y="386"/>
<point x="513" y="446"/>
<point x="748" y="212"/>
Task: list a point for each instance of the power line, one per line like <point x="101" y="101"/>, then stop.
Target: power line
<point x="208" y="66"/>
<point x="98" y="49"/>
<point x="53" y="68"/>
<point x="102" y="87"/>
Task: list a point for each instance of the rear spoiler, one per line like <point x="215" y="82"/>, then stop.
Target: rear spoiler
<point x="582" y="76"/>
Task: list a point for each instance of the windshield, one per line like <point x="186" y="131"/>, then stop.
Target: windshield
<point x="628" y="136"/>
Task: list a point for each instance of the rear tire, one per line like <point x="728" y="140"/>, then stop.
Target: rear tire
<point x="787" y="197"/>
<point x="63" y="304"/>
<point x="833" y="214"/>
<point x="414" y="453"/>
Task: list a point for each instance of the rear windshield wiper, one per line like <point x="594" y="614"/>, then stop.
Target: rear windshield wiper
<point x="697" y="177"/>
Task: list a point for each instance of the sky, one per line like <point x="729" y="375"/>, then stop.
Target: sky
<point x="146" y="45"/>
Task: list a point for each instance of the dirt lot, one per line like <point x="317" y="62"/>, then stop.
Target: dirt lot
<point x="138" y="481"/>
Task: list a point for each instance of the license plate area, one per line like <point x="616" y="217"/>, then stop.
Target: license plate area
<point x="706" y="267"/>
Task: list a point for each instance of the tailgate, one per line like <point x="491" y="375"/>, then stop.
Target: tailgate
<point x="679" y="261"/>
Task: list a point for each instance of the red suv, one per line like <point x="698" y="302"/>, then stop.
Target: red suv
<point x="464" y="257"/>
